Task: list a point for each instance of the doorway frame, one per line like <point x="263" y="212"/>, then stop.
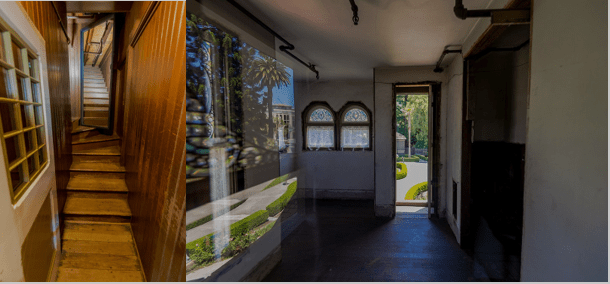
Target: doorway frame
<point x="110" y="129"/>
<point x="434" y="113"/>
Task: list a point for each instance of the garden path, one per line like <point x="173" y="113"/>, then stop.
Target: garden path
<point x="257" y="201"/>
<point x="416" y="172"/>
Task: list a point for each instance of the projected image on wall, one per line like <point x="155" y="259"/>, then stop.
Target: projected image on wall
<point x="236" y="93"/>
<point x="240" y="125"/>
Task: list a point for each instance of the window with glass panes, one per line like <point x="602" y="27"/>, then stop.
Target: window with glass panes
<point x="22" y="128"/>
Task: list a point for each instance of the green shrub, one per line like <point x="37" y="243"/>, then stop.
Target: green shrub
<point x="422" y="157"/>
<point x="210" y="217"/>
<point x="245" y="225"/>
<point x="202" y="250"/>
<point x="238" y="228"/>
<point x="280" y="203"/>
<point x="240" y="243"/>
<point x="402" y="172"/>
<point x="199" y="222"/>
<point x="277" y="181"/>
<point x="416" y="189"/>
<point x="405" y="158"/>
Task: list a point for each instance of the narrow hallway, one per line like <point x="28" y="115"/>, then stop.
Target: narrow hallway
<point x="97" y="241"/>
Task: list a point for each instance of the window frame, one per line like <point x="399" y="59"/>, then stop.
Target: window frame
<point x="341" y="122"/>
<point x="306" y="123"/>
<point x="36" y="111"/>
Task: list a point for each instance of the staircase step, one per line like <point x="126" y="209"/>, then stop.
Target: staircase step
<point x="96" y="167"/>
<point x="113" y="248"/>
<point x="85" y="134"/>
<point x="93" y="136"/>
<point x="81" y="129"/>
<point x="96" y="121"/>
<point x="113" y="150"/>
<point x="95" y="90"/>
<point x="96" y="95"/>
<point x="96" y="102"/>
<point x="94" y="77"/>
<point x="96" y="81"/>
<point x="111" y="159"/>
<point x="96" y="204"/>
<point x="98" y="175"/>
<point x="97" y="113"/>
<point x="96" y="182"/>
<point x="76" y="148"/>
<point x="80" y="231"/>
<point x="108" y="263"/>
<point x="94" y="85"/>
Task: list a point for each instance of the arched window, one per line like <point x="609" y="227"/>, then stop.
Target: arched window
<point x="319" y="127"/>
<point x="355" y="122"/>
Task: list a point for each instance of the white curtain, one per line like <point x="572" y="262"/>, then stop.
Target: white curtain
<point x="320" y="136"/>
<point x="355" y="136"/>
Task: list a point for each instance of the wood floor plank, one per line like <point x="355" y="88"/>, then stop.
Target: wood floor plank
<point x="97" y="232"/>
<point x="115" y="248"/>
<point x="100" y="261"/>
<point x="98" y="275"/>
<point x="93" y="183"/>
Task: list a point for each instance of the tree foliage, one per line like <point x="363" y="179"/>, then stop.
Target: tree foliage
<point x="417" y="107"/>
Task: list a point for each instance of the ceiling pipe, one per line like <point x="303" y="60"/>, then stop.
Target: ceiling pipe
<point x="462" y="13"/>
<point x="446" y="51"/>
<point x="284" y="48"/>
<point x="355" y="18"/>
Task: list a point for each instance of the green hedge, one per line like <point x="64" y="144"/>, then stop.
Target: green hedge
<point x="245" y="225"/>
<point x="402" y="172"/>
<point x="279" y="204"/>
<point x="202" y="250"/>
<point x="237" y="229"/>
<point x="416" y="189"/>
<point x="407" y="159"/>
<point x="199" y="222"/>
<point x="422" y="157"/>
<point x="210" y="217"/>
<point x="277" y="181"/>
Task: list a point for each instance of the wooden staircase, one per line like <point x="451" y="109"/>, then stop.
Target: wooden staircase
<point x="97" y="241"/>
<point x="95" y="98"/>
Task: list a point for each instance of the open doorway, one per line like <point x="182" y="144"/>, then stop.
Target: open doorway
<point x="412" y="148"/>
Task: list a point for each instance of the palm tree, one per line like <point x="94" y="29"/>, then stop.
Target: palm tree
<point x="270" y="73"/>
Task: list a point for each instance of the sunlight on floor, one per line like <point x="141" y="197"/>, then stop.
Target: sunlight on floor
<point x="412" y="209"/>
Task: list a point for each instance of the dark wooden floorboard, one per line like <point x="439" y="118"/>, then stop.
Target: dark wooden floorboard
<point x="343" y="241"/>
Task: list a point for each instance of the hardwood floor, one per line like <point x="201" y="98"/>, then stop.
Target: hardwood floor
<point x="343" y="241"/>
<point x="97" y="240"/>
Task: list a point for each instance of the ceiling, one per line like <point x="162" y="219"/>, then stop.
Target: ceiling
<point x="390" y="32"/>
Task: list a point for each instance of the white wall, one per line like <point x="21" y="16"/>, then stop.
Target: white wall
<point x="451" y="121"/>
<point x="334" y="174"/>
<point x="565" y="235"/>
<point x="17" y="219"/>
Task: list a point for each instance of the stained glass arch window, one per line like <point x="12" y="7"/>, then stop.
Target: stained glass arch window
<point x="319" y="128"/>
<point x="355" y="127"/>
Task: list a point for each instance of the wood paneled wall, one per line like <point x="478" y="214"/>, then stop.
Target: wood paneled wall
<point x="74" y="53"/>
<point x="154" y="136"/>
<point x="44" y="18"/>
